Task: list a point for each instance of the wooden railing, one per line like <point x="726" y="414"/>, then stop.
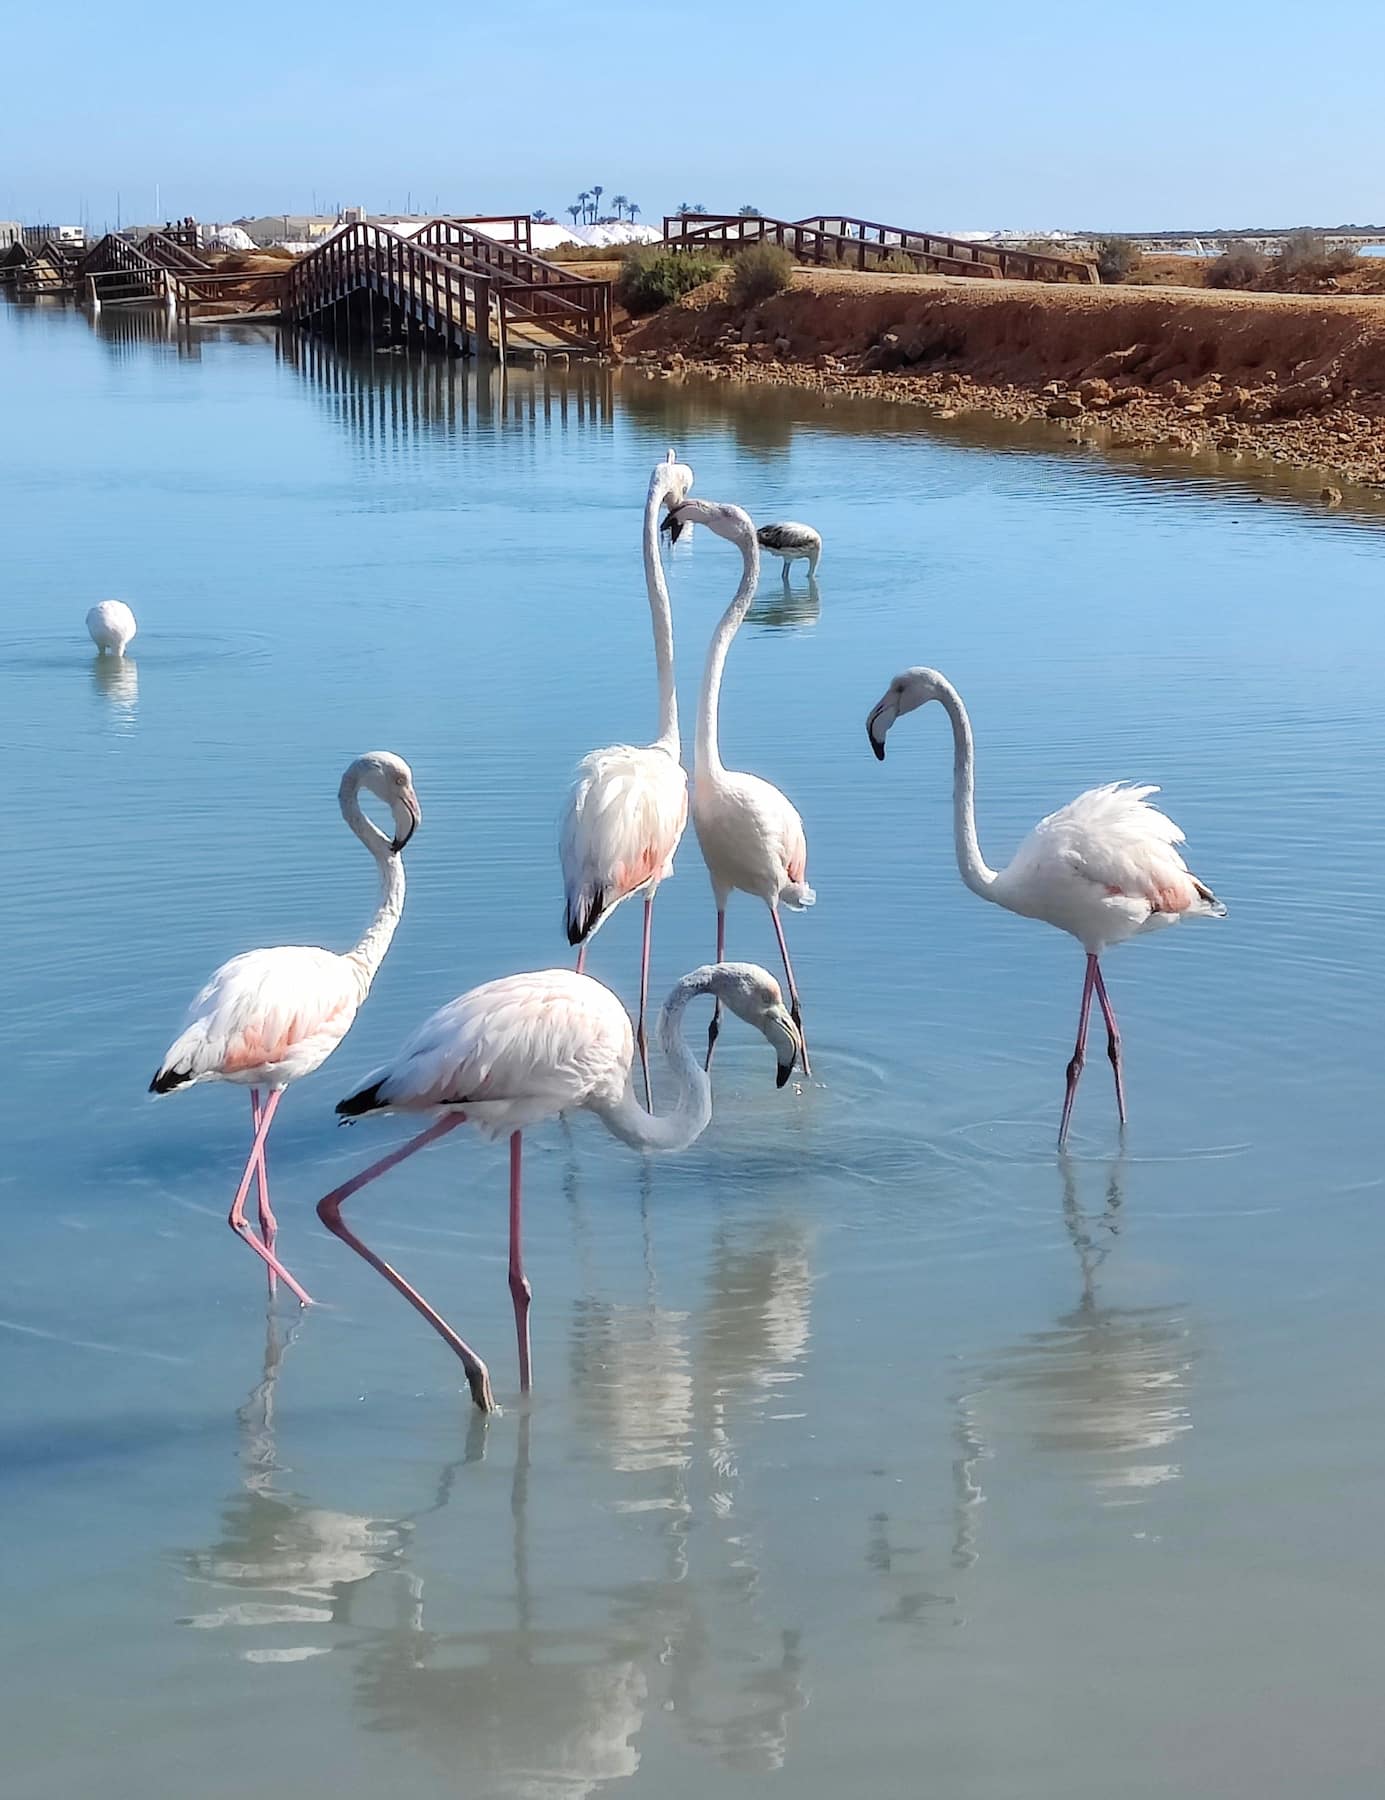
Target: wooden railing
<point x="1022" y="265"/>
<point x="171" y="253"/>
<point x="528" y="287"/>
<point x="863" y="244"/>
<point x="438" y="295"/>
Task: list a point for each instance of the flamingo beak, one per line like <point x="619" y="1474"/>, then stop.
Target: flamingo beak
<point x="877" y="739"/>
<point x="790" y="1049"/>
<point x="409" y="801"/>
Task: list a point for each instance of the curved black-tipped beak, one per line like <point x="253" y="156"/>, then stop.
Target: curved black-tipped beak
<point x="782" y="1074"/>
<point x="401" y="838"/>
<point x="876" y="743"/>
<point x="673" y="526"/>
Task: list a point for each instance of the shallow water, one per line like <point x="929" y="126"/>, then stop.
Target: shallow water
<point x="873" y="1442"/>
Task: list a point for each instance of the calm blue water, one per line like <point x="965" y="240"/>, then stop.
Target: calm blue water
<point x="875" y="1447"/>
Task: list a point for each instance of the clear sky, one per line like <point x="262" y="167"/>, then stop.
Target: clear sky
<point x="964" y="116"/>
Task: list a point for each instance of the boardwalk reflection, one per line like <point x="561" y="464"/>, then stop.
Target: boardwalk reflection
<point x="1107" y="1387"/>
<point x="385" y="397"/>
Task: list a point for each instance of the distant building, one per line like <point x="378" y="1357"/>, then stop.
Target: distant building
<point x="11" y="232"/>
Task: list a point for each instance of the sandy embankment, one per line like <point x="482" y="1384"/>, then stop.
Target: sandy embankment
<point x="1298" y="378"/>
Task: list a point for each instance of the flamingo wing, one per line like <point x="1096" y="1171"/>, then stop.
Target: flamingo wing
<point x="511" y="1052"/>
<point x="265" y="1016"/>
<point x="1112" y="839"/>
<point x="623" y="821"/>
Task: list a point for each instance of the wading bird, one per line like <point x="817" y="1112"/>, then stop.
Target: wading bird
<point x="111" y="625"/>
<point x="794" y="543"/>
<point x="269" y="1017"/>
<point x="513" y="1052"/>
<point x="628" y="804"/>
<point x="751" y="836"/>
<point x="1103" y="868"/>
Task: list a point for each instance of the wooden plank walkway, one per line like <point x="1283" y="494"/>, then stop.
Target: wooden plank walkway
<point x="843" y="241"/>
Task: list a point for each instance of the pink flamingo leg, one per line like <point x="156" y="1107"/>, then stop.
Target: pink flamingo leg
<point x="1079" y="1055"/>
<point x="1113" y="1039"/>
<point x="714" y="1029"/>
<point x="520" y="1291"/>
<point x="581" y="958"/>
<point x="641" y="1036"/>
<point x="236" y="1217"/>
<point x="795" y="1008"/>
<point x="269" y="1225"/>
<point x="329" y="1211"/>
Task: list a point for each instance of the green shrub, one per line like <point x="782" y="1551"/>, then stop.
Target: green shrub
<point x="1238" y="267"/>
<point x="758" y="272"/>
<point x="651" y="277"/>
<point x="896" y="263"/>
<point x="1116" y="257"/>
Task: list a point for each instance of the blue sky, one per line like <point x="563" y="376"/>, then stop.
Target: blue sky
<point x="1080" y="113"/>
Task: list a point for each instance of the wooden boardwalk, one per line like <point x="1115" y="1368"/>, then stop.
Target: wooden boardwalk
<point x="846" y="242"/>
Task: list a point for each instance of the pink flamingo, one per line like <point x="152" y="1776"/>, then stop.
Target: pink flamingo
<point x="270" y="1017"/>
<point x="750" y="834"/>
<point x="1103" y="867"/>
<point x="628" y="805"/>
<point x="525" y="1048"/>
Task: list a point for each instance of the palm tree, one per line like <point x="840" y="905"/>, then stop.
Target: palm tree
<point x="620" y="203"/>
<point x="751" y="212"/>
<point x="597" y="191"/>
<point x="632" y="209"/>
<point x="684" y="208"/>
<point x="575" y="211"/>
<point x="583" y="200"/>
<point x="540" y="217"/>
<point x="699" y="208"/>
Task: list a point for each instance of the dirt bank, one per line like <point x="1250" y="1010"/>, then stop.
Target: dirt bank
<point x="1295" y="377"/>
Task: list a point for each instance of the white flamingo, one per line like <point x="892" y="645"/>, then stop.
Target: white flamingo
<point x="111" y="625"/>
<point x="269" y="1017"/>
<point x="793" y="543"/>
<point x="1103" y="867"/>
<point x="628" y="805"/>
<point x="751" y="836"/>
<point x="513" y="1052"/>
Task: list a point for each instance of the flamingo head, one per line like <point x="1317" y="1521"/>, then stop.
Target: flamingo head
<point x="754" y="995"/>
<point x="907" y="692"/>
<point x="728" y="522"/>
<point x="671" y="480"/>
<point x="391" y="780"/>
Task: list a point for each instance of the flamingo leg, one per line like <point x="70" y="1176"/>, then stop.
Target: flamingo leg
<point x="269" y="1227"/>
<point x="520" y="1291"/>
<point x="236" y="1217"/>
<point x="641" y="1035"/>
<point x="1079" y="1055"/>
<point x="582" y="957"/>
<point x="795" y="1008"/>
<point x="1113" y="1039"/>
<point x="329" y="1211"/>
<point x="714" y="1029"/>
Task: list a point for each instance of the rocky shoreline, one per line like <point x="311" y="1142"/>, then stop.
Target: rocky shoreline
<point x="1316" y="414"/>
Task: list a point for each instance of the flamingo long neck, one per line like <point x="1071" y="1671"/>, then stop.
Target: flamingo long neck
<point x="370" y="952"/>
<point x="662" y="615"/>
<point x="708" y="760"/>
<point x="974" y="870"/>
<point x="691" y="1111"/>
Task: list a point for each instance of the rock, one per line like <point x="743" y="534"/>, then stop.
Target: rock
<point x="1115" y="362"/>
<point x="1331" y="496"/>
<point x="1053" y="387"/>
<point x="782" y="345"/>
<point x="945" y="412"/>
<point x="1095" y="391"/>
<point x="1065" y="406"/>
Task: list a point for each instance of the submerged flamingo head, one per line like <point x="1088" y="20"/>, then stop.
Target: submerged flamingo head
<point x="754" y="995"/>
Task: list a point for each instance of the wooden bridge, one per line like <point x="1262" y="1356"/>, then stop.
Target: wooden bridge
<point x="838" y="240"/>
<point x="449" y="286"/>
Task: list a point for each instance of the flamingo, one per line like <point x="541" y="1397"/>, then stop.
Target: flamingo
<point x="794" y="543"/>
<point x="751" y="836"/>
<point x="1103" y="868"/>
<point x="269" y="1017"/>
<point x="628" y="805"/>
<point x="513" y="1052"/>
<point x="111" y="625"/>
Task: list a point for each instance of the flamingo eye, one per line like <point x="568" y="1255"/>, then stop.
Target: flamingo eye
<point x="399" y="781"/>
